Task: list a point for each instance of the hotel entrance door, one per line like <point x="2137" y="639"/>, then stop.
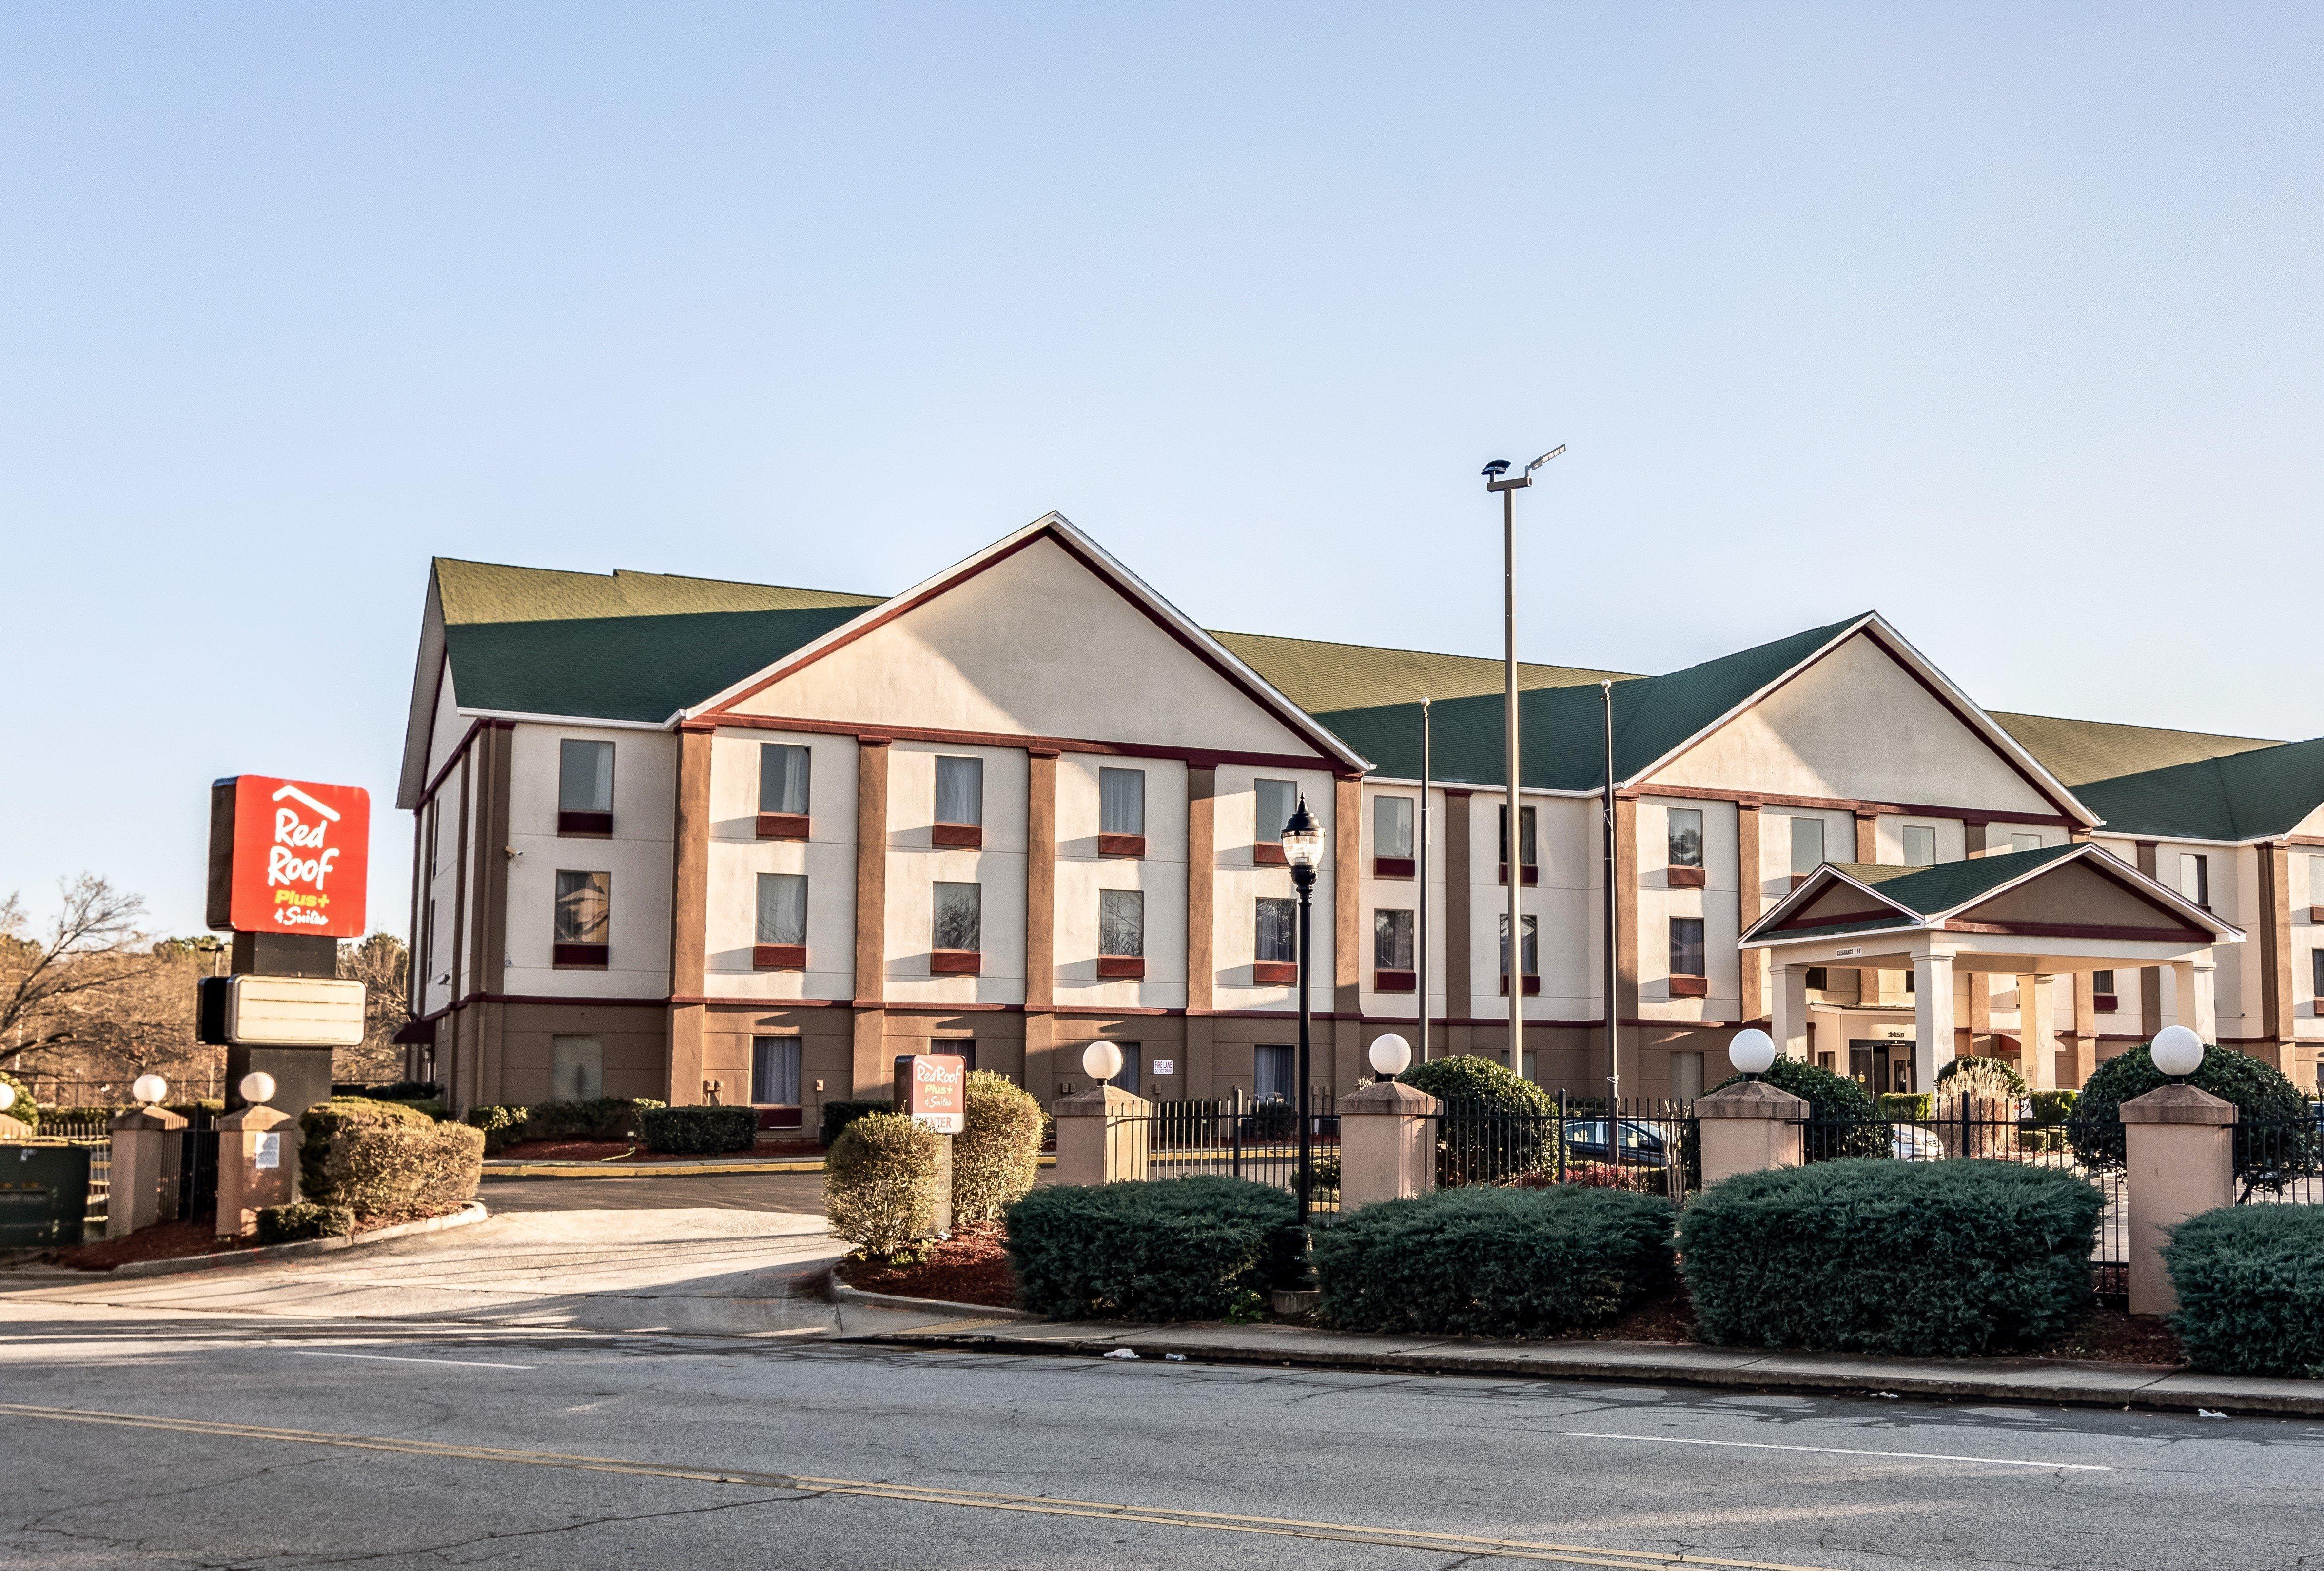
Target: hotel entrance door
<point x="1870" y="1066"/>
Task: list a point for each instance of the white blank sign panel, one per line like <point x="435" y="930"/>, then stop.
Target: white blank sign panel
<point x="295" y="1012"/>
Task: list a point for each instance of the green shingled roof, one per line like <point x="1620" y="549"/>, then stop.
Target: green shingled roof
<point x="1322" y="677"/>
<point x="2244" y="796"/>
<point x="1929" y="892"/>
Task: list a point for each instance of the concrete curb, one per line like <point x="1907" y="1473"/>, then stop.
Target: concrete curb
<point x="2044" y="1381"/>
<point x="842" y="1293"/>
<point x="470" y="1213"/>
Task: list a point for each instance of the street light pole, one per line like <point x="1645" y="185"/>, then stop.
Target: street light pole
<point x="1303" y="850"/>
<point x="1497" y="478"/>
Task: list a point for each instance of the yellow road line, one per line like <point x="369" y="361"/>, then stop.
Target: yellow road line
<point x="1041" y="1505"/>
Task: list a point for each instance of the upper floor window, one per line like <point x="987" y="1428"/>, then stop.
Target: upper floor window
<point x="2195" y="878"/>
<point x="960" y="790"/>
<point x="1686" y="946"/>
<point x="584" y="918"/>
<point x="782" y="777"/>
<point x="1686" y="837"/>
<point x="585" y="776"/>
<point x="1121" y="801"/>
<point x="1526" y="856"/>
<point x="1392" y="826"/>
<point x="959" y="917"/>
<point x="1275" y="802"/>
<point x="783" y="908"/>
<point x="1531" y="957"/>
<point x="2023" y="842"/>
<point x="1392" y="941"/>
<point x="1120" y="922"/>
<point x="1278" y="930"/>
<point x="1807" y="845"/>
<point x="1920" y="844"/>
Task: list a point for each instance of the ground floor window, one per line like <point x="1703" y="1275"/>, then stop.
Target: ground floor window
<point x="1275" y="1065"/>
<point x="775" y="1071"/>
<point x="577" y="1069"/>
<point x="962" y="1048"/>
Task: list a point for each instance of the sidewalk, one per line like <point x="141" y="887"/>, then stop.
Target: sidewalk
<point x="2067" y="1382"/>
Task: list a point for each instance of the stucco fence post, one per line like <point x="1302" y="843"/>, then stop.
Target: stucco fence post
<point x="1749" y="1128"/>
<point x="1388" y="1143"/>
<point x="1103" y="1135"/>
<point x="244" y="1185"/>
<point x="144" y="1152"/>
<point x="2179" y="1148"/>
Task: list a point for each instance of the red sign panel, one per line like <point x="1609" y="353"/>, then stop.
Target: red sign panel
<point x="288" y="856"/>
<point x="937" y="1092"/>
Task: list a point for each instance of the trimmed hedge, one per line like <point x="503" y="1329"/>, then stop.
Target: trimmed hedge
<point x="2251" y="1289"/>
<point x="1472" y="1146"/>
<point x="599" y="1118"/>
<point x="294" y="1223"/>
<point x="398" y="1091"/>
<point x="1929" y="1259"/>
<point x="502" y="1126"/>
<point x="838" y="1115"/>
<point x="1170" y="1249"/>
<point x="698" y="1130"/>
<point x="997" y="1156"/>
<point x="2276" y="1137"/>
<point x="386" y="1162"/>
<point x="2052" y="1106"/>
<point x="879" y="1184"/>
<point x="1494" y="1262"/>
<point x="1908" y="1106"/>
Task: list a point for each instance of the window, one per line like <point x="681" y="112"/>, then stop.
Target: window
<point x="2102" y="984"/>
<point x="783" y="908"/>
<point x="1276" y="800"/>
<point x="1524" y="836"/>
<point x="2315" y="888"/>
<point x="782" y="777"/>
<point x="1686" y="1076"/>
<point x="1279" y="931"/>
<point x="1685" y="837"/>
<point x="1392" y="940"/>
<point x="1920" y="844"/>
<point x="959" y="922"/>
<point x="1121" y="801"/>
<point x="1392" y="826"/>
<point x="584" y="908"/>
<point x="960" y="790"/>
<point x="2023" y="842"/>
<point x="1686" y="946"/>
<point x="584" y="777"/>
<point x="2195" y="878"/>
<point x="1818" y="979"/>
<point x="1120" y="922"/>
<point x="2316" y="977"/>
<point x="1807" y="845"/>
<point x="775" y="1071"/>
<point x="1532" y="957"/>
<point x="577" y="1069"/>
<point x="1273" y="1080"/>
<point x="1127" y="1075"/>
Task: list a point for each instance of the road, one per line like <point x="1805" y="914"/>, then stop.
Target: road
<point x="300" y="1424"/>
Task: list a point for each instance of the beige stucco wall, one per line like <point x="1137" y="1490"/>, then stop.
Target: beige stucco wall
<point x="637" y="855"/>
<point x="1404" y="894"/>
<point x="1857" y="727"/>
<point x="737" y="856"/>
<point x="915" y="866"/>
<point x="1160" y="876"/>
<point x="1715" y="904"/>
<point x="1562" y="903"/>
<point x="1241" y="882"/>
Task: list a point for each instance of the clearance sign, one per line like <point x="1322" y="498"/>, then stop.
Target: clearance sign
<point x="288" y="856"/>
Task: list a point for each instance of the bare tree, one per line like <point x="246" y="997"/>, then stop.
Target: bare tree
<point x="68" y="986"/>
<point x="382" y="964"/>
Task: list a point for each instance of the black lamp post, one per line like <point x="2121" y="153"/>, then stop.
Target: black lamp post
<point x="1302" y="848"/>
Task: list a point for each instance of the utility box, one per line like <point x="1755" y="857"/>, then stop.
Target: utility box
<point x="43" y="1194"/>
<point x="283" y="1011"/>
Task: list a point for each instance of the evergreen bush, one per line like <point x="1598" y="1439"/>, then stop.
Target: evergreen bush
<point x="879" y="1184"/>
<point x="598" y="1118"/>
<point x="1494" y="1262"/>
<point x="1853" y="1130"/>
<point x="2275" y="1135"/>
<point x="502" y="1126"/>
<point x="1170" y="1249"/>
<point x="304" y="1220"/>
<point x="1927" y="1259"/>
<point x="996" y="1155"/>
<point x="838" y="1115"/>
<point x="1495" y="1124"/>
<point x="697" y="1131"/>
<point x="2251" y="1289"/>
<point x="386" y="1162"/>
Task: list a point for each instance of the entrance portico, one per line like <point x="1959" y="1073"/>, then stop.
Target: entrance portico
<point x="2033" y="916"/>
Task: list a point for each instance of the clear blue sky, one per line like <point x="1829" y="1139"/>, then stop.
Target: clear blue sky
<point x="2004" y="319"/>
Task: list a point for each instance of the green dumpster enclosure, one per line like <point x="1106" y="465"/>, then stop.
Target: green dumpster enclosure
<point x="43" y="1194"/>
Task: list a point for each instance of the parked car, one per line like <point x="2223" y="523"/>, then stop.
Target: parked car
<point x="1909" y="1142"/>
<point x="1643" y="1145"/>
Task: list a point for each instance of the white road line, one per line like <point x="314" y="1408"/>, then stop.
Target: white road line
<point x="1842" y="1451"/>
<point x="391" y="1358"/>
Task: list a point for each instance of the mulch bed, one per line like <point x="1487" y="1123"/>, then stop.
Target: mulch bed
<point x="970" y="1267"/>
<point x="2114" y="1336"/>
<point x="169" y="1240"/>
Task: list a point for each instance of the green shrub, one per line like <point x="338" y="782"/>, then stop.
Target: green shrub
<point x="879" y="1184"/>
<point x="386" y="1162"/>
<point x="1172" y="1249"/>
<point x="24" y="1107"/>
<point x="1930" y="1258"/>
<point x="2052" y="1106"/>
<point x="996" y="1155"/>
<point x="1908" y="1106"/>
<point x="2001" y="1071"/>
<point x="396" y="1091"/>
<point x="1832" y="1099"/>
<point x="838" y="1115"/>
<point x="502" y="1126"/>
<point x="2251" y="1289"/>
<point x="1494" y="1262"/>
<point x="698" y="1131"/>
<point x="292" y="1223"/>
<point x="1495" y="1124"/>
<point x="2276" y="1137"/>
<point x="599" y="1118"/>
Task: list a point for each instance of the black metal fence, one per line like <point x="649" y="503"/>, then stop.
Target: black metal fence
<point x="1648" y="1144"/>
<point x="2281" y="1161"/>
<point x="1246" y="1137"/>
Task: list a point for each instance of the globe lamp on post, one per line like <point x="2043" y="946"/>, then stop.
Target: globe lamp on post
<point x="1390" y="1055"/>
<point x="1752" y="1052"/>
<point x="2177" y="1051"/>
<point x="1303" y="850"/>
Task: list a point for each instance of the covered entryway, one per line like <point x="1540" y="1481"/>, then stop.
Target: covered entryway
<point x="2036" y="919"/>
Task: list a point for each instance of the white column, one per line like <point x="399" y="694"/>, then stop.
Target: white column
<point x="1932" y="1018"/>
<point x="2037" y="1034"/>
<point x="1788" y="1006"/>
<point x="2193" y="997"/>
